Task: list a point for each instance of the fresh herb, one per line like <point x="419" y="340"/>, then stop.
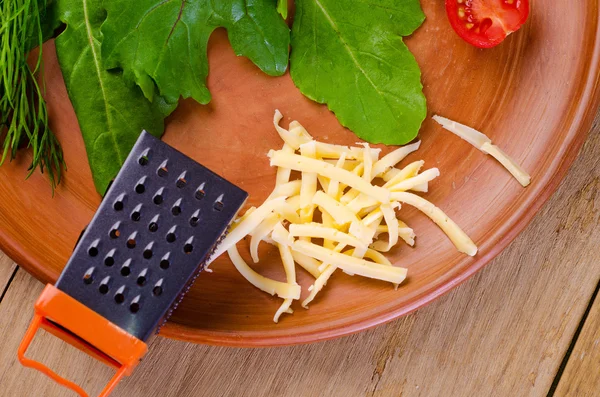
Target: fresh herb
<point x="23" y="113"/>
<point x="164" y="42"/>
<point x="350" y="55"/>
<point x="126" y="64"/>
<point x="111" y="112"/>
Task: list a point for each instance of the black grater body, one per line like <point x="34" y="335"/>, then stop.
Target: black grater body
<point x="150" y="237"/>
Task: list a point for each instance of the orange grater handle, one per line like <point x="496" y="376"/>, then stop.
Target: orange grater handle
<point x="78" y="325"/>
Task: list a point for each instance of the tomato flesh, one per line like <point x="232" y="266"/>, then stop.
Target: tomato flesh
<point x="486" y="23"/>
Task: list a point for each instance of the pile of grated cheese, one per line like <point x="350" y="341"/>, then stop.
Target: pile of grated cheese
<point x="336" y="216"/>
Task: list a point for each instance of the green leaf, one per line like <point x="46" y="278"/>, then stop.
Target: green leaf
<point x="111" y="113"/>
<point x="165" y="41"/>
<point x="350" y="55"/>
<point x="282" y="8"/>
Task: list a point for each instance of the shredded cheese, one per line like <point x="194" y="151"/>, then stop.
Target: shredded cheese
<point x="351" y="264"/>
<point x="303" y="164"/>
<point x="338" y="214"/>
<point x="461" y="241"/>
<point x="273" y="287"/>
<point x="483" y="143"/>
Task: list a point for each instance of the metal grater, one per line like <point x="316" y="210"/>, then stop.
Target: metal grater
<point x="150" y="238"/>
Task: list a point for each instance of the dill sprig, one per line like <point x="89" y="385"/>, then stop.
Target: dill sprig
<point x="23" y="112"/>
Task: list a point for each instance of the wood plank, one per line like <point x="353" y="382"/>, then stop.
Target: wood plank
<point x="504" y="332"/>
<point x="581" y="376"/>
<point x="7" y="270"/>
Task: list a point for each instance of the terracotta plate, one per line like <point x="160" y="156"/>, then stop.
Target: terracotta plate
<point x="535" y="95"/>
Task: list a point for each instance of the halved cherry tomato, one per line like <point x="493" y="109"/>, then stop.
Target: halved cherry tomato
<point x="485" y="23"/>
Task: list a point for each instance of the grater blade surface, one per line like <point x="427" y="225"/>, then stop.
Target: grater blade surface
<point x="150" y="237"/>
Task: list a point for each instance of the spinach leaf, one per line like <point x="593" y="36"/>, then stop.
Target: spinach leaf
<point x="350" y="55"/>
<point x="111" y="113"/>
<point x="282" y="8"/>
<point x="165" y="41"/>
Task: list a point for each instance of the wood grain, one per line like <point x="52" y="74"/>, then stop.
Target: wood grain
<point x="581" y="376"/>
<point x="7" y="270"/>
<point x="534" y="95"/>
<point x="502" y="333"/>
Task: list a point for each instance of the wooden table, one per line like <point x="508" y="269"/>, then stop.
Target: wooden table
<point x="527" y="325"/>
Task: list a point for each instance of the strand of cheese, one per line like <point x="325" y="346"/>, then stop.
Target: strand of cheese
<point x="309" y="264"/>
<point x="349" y="165"/>
<point x="321" y="281"/>
<point x="351" y="264"/>
<point x="340" y="213"/>
<point x="391" y="159"/>
<point x="409" y="171"/>
<point x="461" y="241"/>
<point x="309" y="184"/>
<point x="300" y="163"/>
<point x="246" y="226"/>
<point x="333" y="189"/>
<point x="293" y="138"/>
<point x="290" y="271"/>
<point x="515" y="169"/>
<point x="367" y="163"/>
<point x="404" y="232"/>
<point x="421" y="188"/>
<point x="390" y="219"/>
<point x="283" y="174"/>
<point x="376" y="257"/>
<point x="286" y="189"/>
<point x="317" y="230"/>
<point x="484" y="143"/>
<point x="331" y="151"/>
<point x="352" y="193"/>
<point x="318" y="285"/>
<point x="262" y="231"/>
<point x="408" y="184"/>
<point x="273" y="287"/>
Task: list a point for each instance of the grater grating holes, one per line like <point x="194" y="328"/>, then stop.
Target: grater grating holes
<point x="163" y="171"/>
<point x="134" y="306"/>
<point x="119" y="203"/>
<point x="119" y="297"/>
<point x="181" y="181"/>
<point x="103" y="288"/>
<point x="114" y="233"/>
<point x="159" y="196"/>
<point x="188" y="247"/>
<point x="176" y="209"/>
<point x="131" y="242"/>
<point x="147" y="253"/>
<point x="88" y="277"/>
<point x="141" y="280"/>
<point x="144" y="160"/>
<point x="200" y="193"/>
<point x="136" y="215"/>
<point x="140" y="186"/>
<point x="164" y="264"/>
<point x="126" y="268"/>
<point x="218" y="205"/>
<point x="171" y="236"/>
<point x="153" y="227"/>
<point x="93" y="251"/>
<point x="109" y="261"/>
<point x="158" y="288"/>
